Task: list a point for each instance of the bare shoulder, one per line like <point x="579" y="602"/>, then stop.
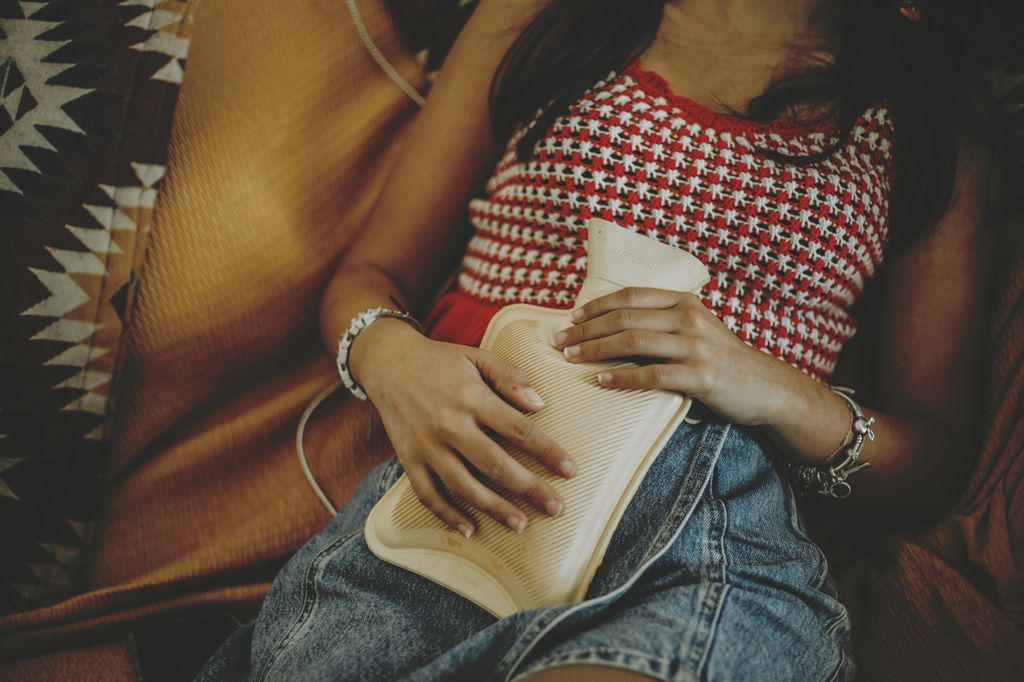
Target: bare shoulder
<point x="445" y="156"/>
<point x="464" y="80"/>
<point x="495" y="23"/>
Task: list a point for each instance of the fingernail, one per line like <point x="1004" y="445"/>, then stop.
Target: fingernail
<point x="604" y="377"/>
<point x="554" y="507"/>
<point x="577" y="315"/>
<point x="532" y="396"/>
<point x="465" y="530"/>
<point x="517" y="524"/>
<point x="571" y="351"/>
<point x="567" y="467"/>
<point x="559" y="339"/>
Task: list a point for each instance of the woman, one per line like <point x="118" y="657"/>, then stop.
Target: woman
<point x="847" y="154"/>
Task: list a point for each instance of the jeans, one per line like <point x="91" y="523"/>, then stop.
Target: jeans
<point x="709" y="576"/>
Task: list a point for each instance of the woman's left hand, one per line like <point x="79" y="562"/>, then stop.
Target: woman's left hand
<point x="693" y="352"/>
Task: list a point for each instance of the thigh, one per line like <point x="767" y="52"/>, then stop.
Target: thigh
<point x="741" y="593"/>
<point x="337" y="612"/>
<point x="780" y="611"/>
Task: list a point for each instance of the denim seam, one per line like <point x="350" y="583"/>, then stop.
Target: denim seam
<point x="538" y="625"/>
<point x="309" y="599"/>
<point x="822" y="578"/>
<point x="830" y="628"/>
<point x="716" y="619"/>
<point x="720" y="522"/>
<point x="723" y="528"/>
<point x="721" y="540"/>
<point x="839" y="666"/>
<point x="833" y="624"/>
<point x="699" y="646"/>
<point x="706" y="452"/>
<point x="681" y="512"/>
<point x="588" y="656"/>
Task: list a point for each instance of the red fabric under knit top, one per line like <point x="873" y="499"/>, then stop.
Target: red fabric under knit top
<point x="789" y="247"/>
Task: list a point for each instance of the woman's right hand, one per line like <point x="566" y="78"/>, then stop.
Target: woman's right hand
<point x="439" y="402"/>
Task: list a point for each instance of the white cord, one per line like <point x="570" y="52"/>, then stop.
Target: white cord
<point x="415" y="96"/>
<point x="321" y="396"/>
<point x="378" y="57"/>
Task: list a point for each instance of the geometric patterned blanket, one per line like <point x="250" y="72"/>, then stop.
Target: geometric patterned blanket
<point x="87" y="90"/>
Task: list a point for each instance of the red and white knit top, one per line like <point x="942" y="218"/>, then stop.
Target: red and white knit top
<point x="789" y="247"/>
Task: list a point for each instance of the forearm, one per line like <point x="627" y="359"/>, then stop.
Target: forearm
<point x="917" y="466"/>
<point x="919" y="459"/>
<point x="353" y="289"/>
<point x="349" y="292"/>
<point x="417" y="230"/>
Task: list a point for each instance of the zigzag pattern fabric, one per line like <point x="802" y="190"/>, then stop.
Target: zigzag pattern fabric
<point x="86" y="93"/>
<point x="790" y="247"/>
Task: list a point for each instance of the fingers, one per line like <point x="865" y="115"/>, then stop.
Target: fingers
<point x="630" y="297"/>
<point x="457" y="427"/>
<point x="506" y="379"/>
<point x="680" y="378"/>
<point x="504" y="470"/>
<point x="431" y="498"/>
<point x="638" y="343"/>
<point x="617" y="321"/>
<point x="526" y="435"/>
<point x="463" y="486"/>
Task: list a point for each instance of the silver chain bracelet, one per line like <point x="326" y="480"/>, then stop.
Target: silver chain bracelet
<point x="360" y="322"/>
<point x="828" y="479"/>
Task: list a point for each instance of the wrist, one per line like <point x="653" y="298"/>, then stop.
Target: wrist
<point x="807" y="418"/>
<point x="373" y="346"/>
<point x="787" y="394"/>
<point x="828" y="477"/>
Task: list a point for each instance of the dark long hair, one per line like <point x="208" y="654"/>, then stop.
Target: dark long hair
<point x="929" y="74"/>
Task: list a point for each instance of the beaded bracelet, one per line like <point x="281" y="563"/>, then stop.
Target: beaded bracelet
<point x="360" y="322"/>
<point x="828" y="479"/>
